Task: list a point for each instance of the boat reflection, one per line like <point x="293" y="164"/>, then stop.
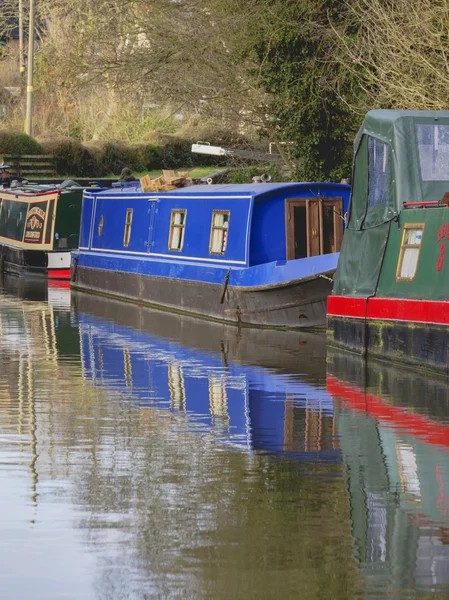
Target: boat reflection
<point x="115" y="375"/>
<point x="393" y="430"/>
<point x="215" y="374"/>
<point x="39" y="325"/>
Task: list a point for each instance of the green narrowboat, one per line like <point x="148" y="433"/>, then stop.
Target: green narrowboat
<point x="391" y="290"/>
<point x="38" y="229"/>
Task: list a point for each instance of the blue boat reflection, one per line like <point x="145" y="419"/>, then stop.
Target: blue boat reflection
<point x="248" y="405"/>
<point x="378" y="437"/>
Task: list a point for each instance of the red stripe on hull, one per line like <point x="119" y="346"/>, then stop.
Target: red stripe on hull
<point x="59" y="273"/>
<point x="428" y="431"/>
<point x="345" y="306"/>
<point x="60" y="284"/>
<point x="390" y="309"/>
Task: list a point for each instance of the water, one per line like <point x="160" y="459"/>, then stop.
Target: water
<point x="146" y="455"/>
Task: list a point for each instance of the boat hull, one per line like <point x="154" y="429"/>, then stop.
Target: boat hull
<point x="408" y="332"/>
<point x="35" y="263"/>
<point x="297" y="305"/>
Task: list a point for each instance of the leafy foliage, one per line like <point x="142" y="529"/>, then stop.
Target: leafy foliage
<point x="244" y="174"/>
<point x="70" y="156"/>
<point x="234" y="67"/>
<point x="15" y="143"/>
<point x="306" y="90"/>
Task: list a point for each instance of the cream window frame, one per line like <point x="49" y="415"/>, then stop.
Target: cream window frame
<point x="223" y="229"/>
<point x="405" y="246"/>
<point x="128" y="224"/>
<point x="174" y="226"/>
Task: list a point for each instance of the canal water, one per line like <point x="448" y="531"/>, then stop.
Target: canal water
<point x="148" y="455"/>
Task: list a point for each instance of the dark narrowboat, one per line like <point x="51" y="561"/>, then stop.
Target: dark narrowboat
<point x="259" y="255"/>
<point x="39" y="226"/>
<point x="390" y="298"/>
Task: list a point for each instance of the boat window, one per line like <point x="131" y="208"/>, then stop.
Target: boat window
<point x="128" y="222"/>
<point x="409" y="252"/>
<point x="218" y="401"/>
<point x="100" y="225"/>
<point x="379" y="172"/>
<point x="433" y="147"/>
<point x="176" y="387"/>
<point x="127" y="368"/>
<point x="219" y="231"/>
<point x="177" y="229"/>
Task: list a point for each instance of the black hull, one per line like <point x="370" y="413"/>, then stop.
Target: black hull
<point x="290" y="351"/>
<point x="387" y="381"/>
<point x="423" y="346"/>
<point x="296" y="306"/>
<point x="35" y="289"/>
<point x="20" y="261"/>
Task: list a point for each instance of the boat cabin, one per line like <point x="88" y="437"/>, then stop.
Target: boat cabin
<point x="398" y="204"/>
<point x="241" y="225"/>
<point x="391" y="291"/>
<point x="43" y="220"/>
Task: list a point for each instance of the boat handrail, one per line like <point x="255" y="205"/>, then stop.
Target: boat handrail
<point x="425" y="204"/>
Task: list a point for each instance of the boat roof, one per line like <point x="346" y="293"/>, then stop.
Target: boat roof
<point x="238" y="189"/>
<point x="418" y="163"/>
<point x="390" y="116"/>
<point x="255" y="189"/>
<point x="387" y="124"/>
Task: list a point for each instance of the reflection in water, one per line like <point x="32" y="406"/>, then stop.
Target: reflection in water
<point x="394" y="436"/>
<point x="248" y="405"/>
<point x="148" y="455"/>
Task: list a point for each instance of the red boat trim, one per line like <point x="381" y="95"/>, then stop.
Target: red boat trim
<point x="394" y="417"/>
<point x="59" y="273"/>
<point x="425" y="203"/>
<point x="390" y="309"/>
<point x="62" y="284"/>
<point x="344" y="306"/>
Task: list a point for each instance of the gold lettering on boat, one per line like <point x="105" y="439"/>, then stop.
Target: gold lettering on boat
<point x="35" y="224"/>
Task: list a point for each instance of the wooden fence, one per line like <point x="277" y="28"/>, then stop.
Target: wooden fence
<point x="30" y="165"/>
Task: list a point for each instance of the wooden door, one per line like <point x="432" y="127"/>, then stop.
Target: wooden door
<point x="314" y="226"/>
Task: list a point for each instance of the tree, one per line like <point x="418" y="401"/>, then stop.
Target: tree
<point x="173" y="52"/>
<point x="300" y="75"/>
<point x="264" y="64"/>
<point x="400" y="57"/>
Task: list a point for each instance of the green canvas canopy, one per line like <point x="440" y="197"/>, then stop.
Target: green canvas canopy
<point x="399" y="156"/>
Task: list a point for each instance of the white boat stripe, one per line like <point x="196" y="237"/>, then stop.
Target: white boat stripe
<point x="174" y="258"/>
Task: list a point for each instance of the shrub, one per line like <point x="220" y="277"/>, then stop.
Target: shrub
<point x="214" y="132"/>
<point x="70" y="156"/>
<point x="153" y="157"/>
<point x="16" y="143"/>
<point x="96" y="149"/>
<point x="116" y="156"/>
<point x="176" y="151"/>
<point x="246" y="173"/>
<point x="138" y="157"/>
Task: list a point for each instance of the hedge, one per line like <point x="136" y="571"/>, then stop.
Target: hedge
<point x="103" y="158"/>
<point x="15" y="143"/>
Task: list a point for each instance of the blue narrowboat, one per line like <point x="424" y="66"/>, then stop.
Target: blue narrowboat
<point x="260" y="255"/>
